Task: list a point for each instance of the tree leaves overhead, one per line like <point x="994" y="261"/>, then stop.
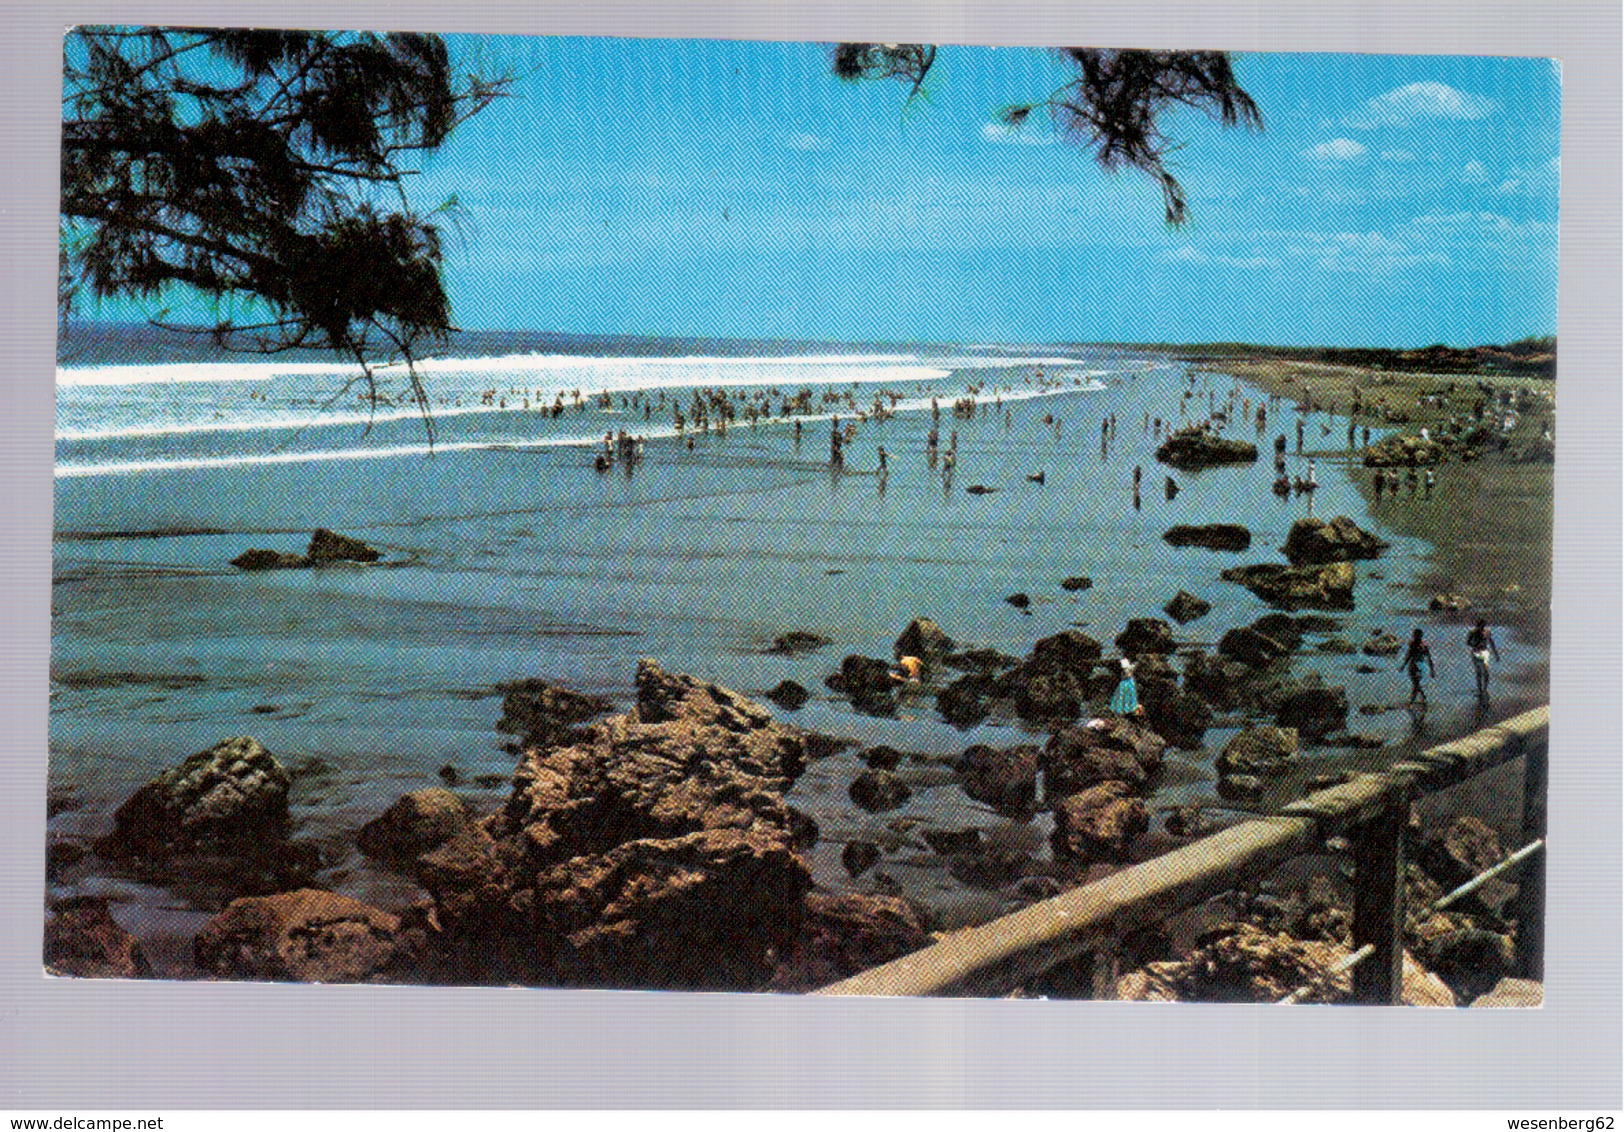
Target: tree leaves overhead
<point x="1112" y="107"/>
<point x="268" y="171"/>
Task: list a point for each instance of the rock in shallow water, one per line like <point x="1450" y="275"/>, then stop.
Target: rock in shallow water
<point x="307" y="936"/>
<point x="82" y="940"/>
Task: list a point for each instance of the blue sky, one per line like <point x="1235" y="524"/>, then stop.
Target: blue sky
<point x="738" y="189"/>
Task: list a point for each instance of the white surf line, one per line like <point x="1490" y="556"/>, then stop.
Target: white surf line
<point x="658" y="432"/>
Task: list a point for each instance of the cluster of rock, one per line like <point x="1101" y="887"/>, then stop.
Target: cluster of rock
<point x="1281" y="942"/>
<point x="1190" y="449"/>
<point x="648" y="849"/>
<point x="1320" y="574"/>
<point x="325" y="547"/>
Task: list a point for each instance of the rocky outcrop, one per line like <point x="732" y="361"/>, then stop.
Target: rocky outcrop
<point x="923" y="638"/>
<point x="1076" y="582"/>
<point x="788" y="695"/>
<point x="846" y="934"/>
<point x="1099" y="823"/>
<point x="1259" y="750"/>
<point x="1185" y="607"/>
<point x="1382" y="644"/>
<point x="1400" y="451"/>
<point x="797" y="641"/>
<point x="878" y="790"/>
<point x="1050" y="685"/>
<point x="963" y="703"/>
<point x="1104" y="750"/>
<point x="708" y="910"/>
<point x="1004" y="777"/>
<point x="1251" y="648"/>
<point x="1291" y="587"/>
<point x="1313" y="709"/>
<point x="1145" y="635"/>
<point x="1193" y="448"/>
<point x="325" y="547"/>
<point x="1466" y="848"/>
<point x="306" y="936"/>
<point x="656" y="850"/>
<point x="1213" y="536"/>
<point x="1247" y="964"/>
<point x="82" y="940"/>
<point x="217" y="824"/>
<point x="261" y="559"/>
<point x="1314" y="542"/>
<point x="543" y="713"/>
<point x="867" y="682"/>
<point x="417" y="823"/>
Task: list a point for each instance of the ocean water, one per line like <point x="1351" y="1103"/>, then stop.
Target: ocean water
<point x="506" y="555"/>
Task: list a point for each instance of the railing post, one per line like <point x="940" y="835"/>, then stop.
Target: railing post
<point x="1378" y="900"/>
<point x="1529" y="904"/>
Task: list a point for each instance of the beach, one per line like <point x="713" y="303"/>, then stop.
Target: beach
<point x="504" y="556"/>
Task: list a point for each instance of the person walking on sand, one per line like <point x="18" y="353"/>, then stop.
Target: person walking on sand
<point x="1125" y="700"/>
<point x="1481" y="644"/>
<point x="1414" y="656"/>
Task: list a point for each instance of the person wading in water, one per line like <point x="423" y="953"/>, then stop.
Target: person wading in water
<point x="1481" y="643"/>
<point x="1414" y="656"/>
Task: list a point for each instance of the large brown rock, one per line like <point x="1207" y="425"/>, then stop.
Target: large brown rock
<point x="418" y="822"/>
<point x="1190" y="449"/>
<point x="846" y="934"/>
<point x="877" y="790"/>
<point x="259" y="558"/>
<point x="710" y="910"/>
<point x="963" y="703"/>
<point x="1291" y="587"/>
<point x="307" y="936"/>
<point x="233" y="794"/>
<point x="1102" y="751"/>
<point x="1099" y="823"/>
<point x="1213" y="536"/>
<point x="545" y="713"/>
<point x="82" y="940"/>
<point x="1315" y="542"/>
<point x="213" y="828"/>
<point x="655" y="849"/>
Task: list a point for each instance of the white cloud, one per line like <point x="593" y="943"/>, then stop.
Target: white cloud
<point x="1360" y="253"/>
<point x="1014" y="135"/>
<point x="1474" y="173"/>
<point x="806" y="142"/>
<point x="1337" y="149"/>
<point x="1416" y="102"/>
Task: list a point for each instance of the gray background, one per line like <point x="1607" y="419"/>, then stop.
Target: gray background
<point x="85" y="1044"/>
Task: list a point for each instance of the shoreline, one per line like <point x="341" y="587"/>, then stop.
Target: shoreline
<point x="1489" y="503"/>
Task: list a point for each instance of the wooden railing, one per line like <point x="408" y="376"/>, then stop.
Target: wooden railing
<point x="1371" y="811"/>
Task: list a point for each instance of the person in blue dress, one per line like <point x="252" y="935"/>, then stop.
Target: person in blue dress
<point x="1125" y="700"/>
